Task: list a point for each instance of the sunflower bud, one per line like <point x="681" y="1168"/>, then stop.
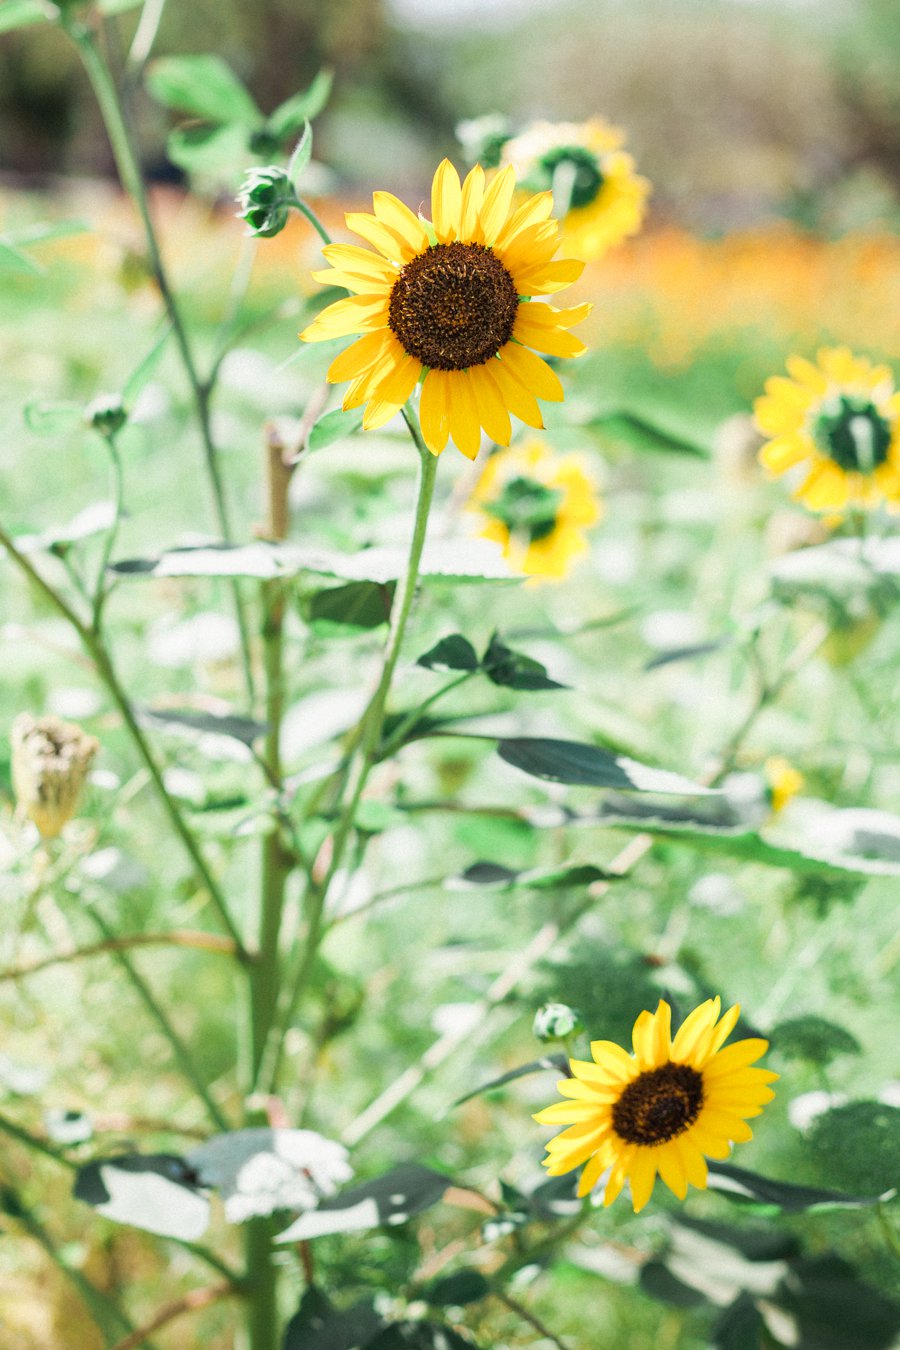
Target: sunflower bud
<point x="50" y="761"/>
<point x="265" y="198"/>
<point x="106" y="414"/>
<point x="556" y="1022"/>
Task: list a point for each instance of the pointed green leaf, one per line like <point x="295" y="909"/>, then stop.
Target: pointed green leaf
<point x="289" y="117"/>
<point x="451" y="653"/>
<point x="388" y="1200"/>
<point x="640" y="433"/>
<point x="512" y="670"/>
<point x="202" y="86"/>
<point x="738" y="1184"/>
<point x="334" y="426"/>
<point x="590" y="766"/>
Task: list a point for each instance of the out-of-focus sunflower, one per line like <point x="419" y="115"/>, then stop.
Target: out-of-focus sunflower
<point x="451" y="300"/>
<point x="839" y="420"/>
<point x="660" y="1109"/>
<point x="584" y="165"/>
<point x="537" y="505"/>
<point x="783" y="781"/>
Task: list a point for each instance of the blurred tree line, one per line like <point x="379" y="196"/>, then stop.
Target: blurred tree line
<point x="734" y="111"/>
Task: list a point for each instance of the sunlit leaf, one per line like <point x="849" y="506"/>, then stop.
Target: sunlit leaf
<point x="738" y="1184"/>
<point x="590" y="766"/>
<point x="388" y="1200"/>
<point x="156" y="1192"/>
<point x="334" y="426"/>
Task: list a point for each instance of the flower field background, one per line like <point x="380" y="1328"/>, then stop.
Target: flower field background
<point x="470" y="919"/>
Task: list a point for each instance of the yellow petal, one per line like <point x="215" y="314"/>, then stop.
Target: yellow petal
<point x="642" y="1175"/>
<point x="519" y="400"/>
<point x="394" y="248"/>
<point x="722" y="1030"/>
<point x="671" y="1169"/>
<point x="397" y="216"/>
<point x="465" y="429"/>
<point x="398" y="384"/>
<point x="532" y="372"/>
<point x="552" y="341"/>
<point x="591" y="1175"/>
<point x="549" y="277"/>
<point x="784" y="452"/>
<point x="470" y="202"/>
<point x="433" y="411"/>
<point x="735" y="1057"/>
<point x="446" y="197"/>
<point x="492" y="412"/>
<point x="358" y="313"/>
<point x="377" y="413"/>
<point x="497" y="201"/>
<point x="531" y="212"/>
<point x="693" y="1029"/>
<point x="826" y="487"/>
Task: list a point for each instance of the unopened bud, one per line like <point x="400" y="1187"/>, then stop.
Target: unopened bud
<point x="106" y="414"/>
<point x="556" y="1022"/>
<point x="50" y="761"/>
<point x="265" y="198"/>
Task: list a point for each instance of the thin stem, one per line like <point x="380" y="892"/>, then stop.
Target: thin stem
<point x="209" y="942"/>
<point x="363" y="755"/>
<point x="101" y="588"/>
<point x="398" y="735"/>
<point x="313" y="220"/>
<point x="190" y="1302"/>
<point x="144" y="37"/>
<point x="179" y="1050"/>
<point x="124" y="152"/>
<point x="528" y="1316"/>
<point x="23" y="1136"/>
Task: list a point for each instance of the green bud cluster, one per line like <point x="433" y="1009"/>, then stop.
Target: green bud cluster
<point x="106" y="414"/>
<point x="556" y="1022"/>
<point x="265" y="198"/>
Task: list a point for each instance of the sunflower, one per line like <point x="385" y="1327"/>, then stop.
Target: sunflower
<point x="537" y="505"/>
<point x="783" y="781"/>
<point x="448" y="300"/>
<point x="660" y="1109"/>
<point x="584" y="162"/>
<point x="840" y="420"/>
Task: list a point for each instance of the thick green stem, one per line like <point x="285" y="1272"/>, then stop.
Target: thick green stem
<point x="122" y="143"/>
<point x="364" y="756"/>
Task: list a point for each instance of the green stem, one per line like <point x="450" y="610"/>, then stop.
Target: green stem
<point x="31" y="1141"/>
<point x="101" y="589"/>
<point x="365" y="753"/>
<point x="398" y="735"/>
<point x="122" y="143"/>
<point x="313" y="219"/>
<point x="179" y="1050"/>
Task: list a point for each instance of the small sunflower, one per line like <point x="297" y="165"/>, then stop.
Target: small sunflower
<point x="537" y="505"/>
<point x="584" y="162"/>
<point x="660" y="1109"/>
<point x="448" y="300"/>
<point x="840" y="420"/>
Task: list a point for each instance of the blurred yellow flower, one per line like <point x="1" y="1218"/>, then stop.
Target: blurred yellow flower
<point x="448" y="299"/>
<point x="584" y="165"/>
<point x="840" y="420"/>
<point x="537" y="505"/>
<point x="783" y="781"/>
<point x="660" y="1109"/>
<point x="50" y="761"/>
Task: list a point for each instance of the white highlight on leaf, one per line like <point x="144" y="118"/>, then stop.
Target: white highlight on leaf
<point x="261" y="1170"/>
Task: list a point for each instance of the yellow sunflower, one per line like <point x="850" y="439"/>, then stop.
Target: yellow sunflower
<point x="584" y="163"/>
<point x="840" y="420"/>
<point x="660" y="1109"/>
<point x="537" y="505"/>
<point x="451" y="300"/>
<point x="782" y="780"/>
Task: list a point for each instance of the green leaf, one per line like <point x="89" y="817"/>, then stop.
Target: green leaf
<point x="557" y="1062"/>
<point x="288" y="117"/>
<point x="451" y="653"/>
<point x="150" y="1191"/>
<point x="756" y="1242"/>
<point x="22" y="13"/>
<point x="334" y="426"/>
<point x="317" y="1325"/>
<point x="814" y="1039"/>
<point x="833" y="1309"/>
<point x="590" y="766"/>
<point x="638" y="432"/>
<point x="740" y="1326"/>
<point x="201" y="724"/>
<point x="736" y="841"/>
<point x="512" y="670"/>
<point x="456" y="1290"/>
<point x="556" y="1198"/>
<point x="202" y="86"/>
<point x="495" y="877"/>
<point x="858" y="1145"/>
<point x="388" y="1200"/>
<point x="207" y="151"/>
<point x="658" y="1281"/>
<point x="358" y="605"/>
<point x="300" y="157"/>
<point x="677" y="654"/>
<point x="47" y="418"/>
<point x="738" y="1184"/>
<point x="143" y="371"/>
<point x="92" y="520"/>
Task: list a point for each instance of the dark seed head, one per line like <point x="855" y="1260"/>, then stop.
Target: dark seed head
<point x="453" y="306"/>
<point x="659" y="1105"/>
<point x="853" y="433"/>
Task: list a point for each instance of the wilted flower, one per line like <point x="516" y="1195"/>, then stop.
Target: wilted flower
<point x="537" y="505"/>
<point x="660" y="1109"/>
<point x="445" y="301"/>
<point x="265" y="198"/>
<point x="838" y="423"/>
<point x="556" y="1022"/>
<point x="260" y="1170"/>
<point x="50" y="761"/>
<point x="596" y="190"/>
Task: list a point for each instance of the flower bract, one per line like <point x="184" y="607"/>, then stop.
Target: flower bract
<point x="50" y="762"/>
<point x="452" y="300"/>
<point x="584" y="164"/>
<point x="537" y="505"/>
<point x="837" y="423"/>
<point x="660" y="1109"/>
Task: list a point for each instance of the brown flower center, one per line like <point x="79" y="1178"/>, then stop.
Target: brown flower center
<point x="453" y="306"/>
<point x="659" y="1105"/>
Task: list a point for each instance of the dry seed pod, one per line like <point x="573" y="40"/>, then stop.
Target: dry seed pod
<point x="50" y="761"/>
